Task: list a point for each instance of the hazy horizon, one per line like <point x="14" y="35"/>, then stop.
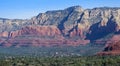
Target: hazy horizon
<point x="25" y="9"/>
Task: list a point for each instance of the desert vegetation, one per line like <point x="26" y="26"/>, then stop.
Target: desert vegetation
<point x="61" y="61"/>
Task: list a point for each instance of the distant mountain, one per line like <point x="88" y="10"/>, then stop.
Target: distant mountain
<point x="72" y="26"/>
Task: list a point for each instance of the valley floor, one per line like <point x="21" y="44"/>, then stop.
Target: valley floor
<point x="61" y="61"/>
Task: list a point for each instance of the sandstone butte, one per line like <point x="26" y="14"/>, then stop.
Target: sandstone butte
<point x="111" y="49"/>
<point x="112" y="46"/>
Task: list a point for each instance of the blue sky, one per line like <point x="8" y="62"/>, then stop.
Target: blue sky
<point x="24" y="9"/>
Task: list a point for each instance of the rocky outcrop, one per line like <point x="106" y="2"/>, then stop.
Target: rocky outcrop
<point x="33" y="30"/>
<point x="36" y="30"/>
<point x="112" y="46"/>
<point x="111" y="49"/>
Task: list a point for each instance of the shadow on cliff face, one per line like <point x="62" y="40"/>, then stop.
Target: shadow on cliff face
<point x="98" y="32"/>
<point x="61" y="25"/>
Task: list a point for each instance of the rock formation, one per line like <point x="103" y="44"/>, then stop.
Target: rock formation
<point x="111" y="49"/>
<point x="71" y="26"/>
